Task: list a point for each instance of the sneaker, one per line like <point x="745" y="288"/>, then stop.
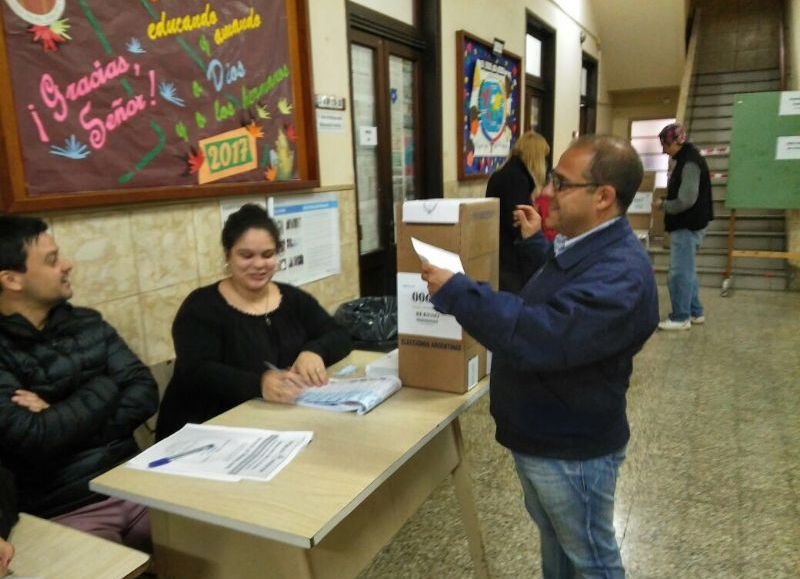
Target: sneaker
<point x="672" y="325"/>
<point x="697" y="320"/>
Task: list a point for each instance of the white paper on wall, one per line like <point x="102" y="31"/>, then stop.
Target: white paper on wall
<point x="788" y="148"/>
<point x="415" y="313"/>
<point x="790" y="102"/>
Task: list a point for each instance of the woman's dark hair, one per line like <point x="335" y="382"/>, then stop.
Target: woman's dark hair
<point x="249" y="216"/>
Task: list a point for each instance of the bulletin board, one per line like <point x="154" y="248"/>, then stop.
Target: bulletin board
<point x="764" y="162"/>
<point x="121" y="101"/>
<point x="488" y="105"/>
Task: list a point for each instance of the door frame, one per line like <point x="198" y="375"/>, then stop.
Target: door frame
<point x="419" y="43"/>
<point x="384" y="258"/>
<point x="544" y="85"/>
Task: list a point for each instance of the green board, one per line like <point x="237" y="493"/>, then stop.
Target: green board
<point x="756" y="178"/>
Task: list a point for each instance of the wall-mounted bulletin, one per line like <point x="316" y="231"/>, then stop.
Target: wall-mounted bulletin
<point x="488" y="107"/>
<point x="764" y="163"/>
<point x="310" y="247"/>
<point x="121" y="101"/>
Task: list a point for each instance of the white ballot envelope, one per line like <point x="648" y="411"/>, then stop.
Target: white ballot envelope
<point x="437" y="256"/>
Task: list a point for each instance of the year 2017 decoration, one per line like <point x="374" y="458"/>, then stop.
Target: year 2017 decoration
<point x="488" y="106"/>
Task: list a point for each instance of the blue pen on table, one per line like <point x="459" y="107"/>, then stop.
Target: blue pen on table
<point x="169" y="459"/>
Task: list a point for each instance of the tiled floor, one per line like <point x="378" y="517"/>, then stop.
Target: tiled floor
<point x="711" y="485"/>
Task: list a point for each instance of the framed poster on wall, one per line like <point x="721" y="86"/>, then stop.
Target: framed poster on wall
<point x="488" y="105"/>
<point x="123" y="101"/>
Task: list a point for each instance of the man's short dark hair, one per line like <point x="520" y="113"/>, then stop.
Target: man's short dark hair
<point x="17" y="232"/>
<point x="616" y="163"/>
<point x="249" y="216"/>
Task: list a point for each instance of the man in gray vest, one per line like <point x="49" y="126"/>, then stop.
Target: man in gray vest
<point x="687" y="211"/>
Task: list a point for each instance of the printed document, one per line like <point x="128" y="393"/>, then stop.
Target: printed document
<point x="223" y="452"/>
<point x="359" y="395"/>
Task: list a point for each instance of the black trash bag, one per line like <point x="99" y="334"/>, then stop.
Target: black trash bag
<point x="371" y="321"/>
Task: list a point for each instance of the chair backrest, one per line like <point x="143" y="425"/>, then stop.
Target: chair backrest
<point x="146" y="433"/>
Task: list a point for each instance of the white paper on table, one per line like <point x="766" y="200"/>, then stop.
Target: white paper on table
<point x="437" y="256"/>
<point x="359" y="395"/>
<point x="236" y="454"/>
<point x="387" y="365"/>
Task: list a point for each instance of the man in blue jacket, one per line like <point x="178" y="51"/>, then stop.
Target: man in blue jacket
<point x="71" y="391"/>
<point x="563" y="352"/>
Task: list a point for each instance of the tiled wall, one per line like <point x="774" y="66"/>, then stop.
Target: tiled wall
<point x="136" y="265"/>
<point x="738" y="34"/>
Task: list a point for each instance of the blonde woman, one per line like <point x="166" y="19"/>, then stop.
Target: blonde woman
<point x="521" y="178"/>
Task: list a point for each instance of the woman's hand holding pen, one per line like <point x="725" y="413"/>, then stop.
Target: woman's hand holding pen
<point x="282" y="386"/>
<point x="311" y="368"/>
<point x="528" y="220"/>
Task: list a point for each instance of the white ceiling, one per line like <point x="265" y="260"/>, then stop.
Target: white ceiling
<point x="642" y="42"/>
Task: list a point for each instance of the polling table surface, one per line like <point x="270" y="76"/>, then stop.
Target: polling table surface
<point x="331" y="509"/>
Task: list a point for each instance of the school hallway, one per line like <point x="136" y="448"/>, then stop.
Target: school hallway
<point x="711" y="485"/>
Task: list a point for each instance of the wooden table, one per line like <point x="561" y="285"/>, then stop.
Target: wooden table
<point x="329" y="512"/>
<point x="47" y="550"/>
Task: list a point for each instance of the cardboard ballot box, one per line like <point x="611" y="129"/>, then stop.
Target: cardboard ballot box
<point x="640" y="209"/>
<point x="434" y="351"/>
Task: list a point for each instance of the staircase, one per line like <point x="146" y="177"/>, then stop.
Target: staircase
<point x="709" y="118"/>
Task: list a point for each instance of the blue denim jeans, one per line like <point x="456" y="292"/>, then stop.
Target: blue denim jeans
<point x="572" y="503"/>
<point x="682" y="279"/>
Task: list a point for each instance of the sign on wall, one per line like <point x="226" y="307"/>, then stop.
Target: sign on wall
<point x="309" y="229"/>
<point x="114" y="97"/>
<point x="488" y="95"/>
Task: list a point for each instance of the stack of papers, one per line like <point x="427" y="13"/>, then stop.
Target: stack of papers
<point x="359" y="395"/>
<point x="223" y="452"/>
<point x="387" y="365"/>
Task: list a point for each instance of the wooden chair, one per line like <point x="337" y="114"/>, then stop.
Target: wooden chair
<point x="145" y="435"/>
<point x="47" y="550"/>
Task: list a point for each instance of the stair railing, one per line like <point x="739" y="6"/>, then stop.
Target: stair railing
<point x="688" y="68"/>
<point x="782" y="48"/>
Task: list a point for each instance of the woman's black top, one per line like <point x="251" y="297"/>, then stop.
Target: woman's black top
<point x="221" y="352"/>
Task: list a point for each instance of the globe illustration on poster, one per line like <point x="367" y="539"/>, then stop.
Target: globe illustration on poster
<point x="490" y="135"/>
<point x="492" y="100"/>
<point x="489" y="106"/>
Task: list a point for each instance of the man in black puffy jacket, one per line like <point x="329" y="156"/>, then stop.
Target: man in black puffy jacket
<point x="71" y="391"/>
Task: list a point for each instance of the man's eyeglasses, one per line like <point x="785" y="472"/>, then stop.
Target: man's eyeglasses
<point x="559" y="184"/>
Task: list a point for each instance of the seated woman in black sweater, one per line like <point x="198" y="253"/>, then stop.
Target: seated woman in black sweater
<point x="247" y="336"/>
